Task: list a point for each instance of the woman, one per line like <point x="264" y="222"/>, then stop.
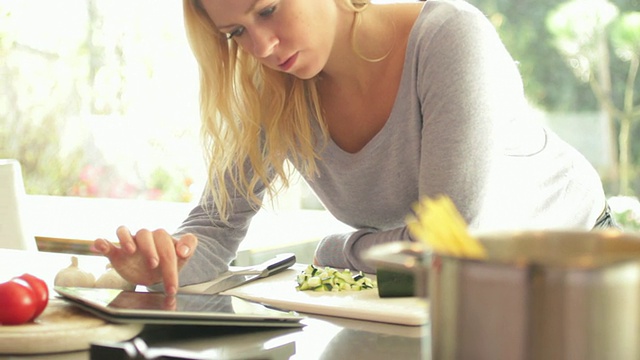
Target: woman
<point x="376" y="106"/>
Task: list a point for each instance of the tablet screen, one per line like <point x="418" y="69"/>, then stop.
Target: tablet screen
<point x="123" y="305"/>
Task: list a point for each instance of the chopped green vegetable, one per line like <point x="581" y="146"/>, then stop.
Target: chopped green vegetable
<point x="315" y="278"/>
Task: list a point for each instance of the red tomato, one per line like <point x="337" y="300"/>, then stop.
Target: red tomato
<point x="17" y="302"/>
<point x="41" y="291"/>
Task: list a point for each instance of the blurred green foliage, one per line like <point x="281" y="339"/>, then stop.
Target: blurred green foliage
<point x="549" y="81"/>
<point x="566" y="53"/>
<point x="33" y="111"/>
<point x="628" y="220"/>
<point x="87" y="75"/>
<point x="588" y="34"/>
<point x="71" y="72"/>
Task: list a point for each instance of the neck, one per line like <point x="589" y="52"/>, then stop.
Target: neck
<point x="361" y="48"/>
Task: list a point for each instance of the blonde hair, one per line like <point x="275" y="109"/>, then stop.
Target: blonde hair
<point x="253" y="117"/>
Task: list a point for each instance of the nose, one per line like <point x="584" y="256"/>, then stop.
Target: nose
<point x="264" y="42"/>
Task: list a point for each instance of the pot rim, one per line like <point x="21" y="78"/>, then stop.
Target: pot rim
<point x="569" y="249"/>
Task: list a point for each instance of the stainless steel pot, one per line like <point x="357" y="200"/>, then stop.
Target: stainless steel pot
<point x="537" y="295"/>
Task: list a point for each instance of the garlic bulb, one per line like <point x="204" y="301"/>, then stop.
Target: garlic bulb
<point x="112" y="280"/>
<point x="74" y="276"/>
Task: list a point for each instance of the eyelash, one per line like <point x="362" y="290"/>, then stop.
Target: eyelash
<point x="235" y="33"/>
<point x="240" y="30"/>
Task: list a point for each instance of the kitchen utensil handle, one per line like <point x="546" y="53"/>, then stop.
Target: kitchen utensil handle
<point x="278" y="263"/>
<point x="137" y="349"/>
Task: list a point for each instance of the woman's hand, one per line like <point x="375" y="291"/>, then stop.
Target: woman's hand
<point x="148" y="257"/>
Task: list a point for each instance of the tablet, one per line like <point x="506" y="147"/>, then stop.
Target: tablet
<point x="122" y="306"/>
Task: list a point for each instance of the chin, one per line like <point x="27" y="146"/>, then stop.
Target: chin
<point x="306" y="70"/>
<point x="305" y="74"/>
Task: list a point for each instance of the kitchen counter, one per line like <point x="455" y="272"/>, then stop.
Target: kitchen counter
<point x="322" y="337"/>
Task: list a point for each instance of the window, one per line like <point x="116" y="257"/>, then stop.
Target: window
<point x="100" y="96"/>
<point x="97" y="102"/>
<point x="100" y="100"/>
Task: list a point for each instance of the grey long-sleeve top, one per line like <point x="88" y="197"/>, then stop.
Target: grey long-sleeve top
<point x="458" y="127"/>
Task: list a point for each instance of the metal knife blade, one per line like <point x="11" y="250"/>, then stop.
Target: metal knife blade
<point x="269" y="267"/>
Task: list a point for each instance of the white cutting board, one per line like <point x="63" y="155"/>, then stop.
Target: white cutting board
<point x="279" y="290"/>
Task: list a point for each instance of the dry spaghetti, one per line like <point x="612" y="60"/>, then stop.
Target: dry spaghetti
<point x="437" y="223"/>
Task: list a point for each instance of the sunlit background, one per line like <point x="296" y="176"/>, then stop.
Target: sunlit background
<point x="99" y="97"/>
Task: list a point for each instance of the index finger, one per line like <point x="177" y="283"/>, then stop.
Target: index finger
<point x="168" y="260"/>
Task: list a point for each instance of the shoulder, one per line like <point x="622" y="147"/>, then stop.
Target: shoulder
<point x="454" y="46"/>
<point x="447" y="9"/>
<point x="447" y="20"/>
<point x="449" y="31"/>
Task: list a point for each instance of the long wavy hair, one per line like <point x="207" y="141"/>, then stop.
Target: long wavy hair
<point x="253" y="118"/>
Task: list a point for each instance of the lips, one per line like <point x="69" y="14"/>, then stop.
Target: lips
<point x="287" y="64"/>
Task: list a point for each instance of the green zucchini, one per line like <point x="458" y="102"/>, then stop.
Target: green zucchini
<point x="395" y="283"/>
<point x="315" y="278"/>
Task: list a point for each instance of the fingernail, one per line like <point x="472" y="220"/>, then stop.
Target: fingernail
<point x="153" y="263"/>
<point x="100" y="247"/>
<point x="184" y="250"/>
<point x="171" y="290"/>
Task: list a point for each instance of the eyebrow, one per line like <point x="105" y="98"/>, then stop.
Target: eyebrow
<point x="250" y="9"/>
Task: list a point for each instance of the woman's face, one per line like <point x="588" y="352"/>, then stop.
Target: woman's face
<point x="292" y="36"/>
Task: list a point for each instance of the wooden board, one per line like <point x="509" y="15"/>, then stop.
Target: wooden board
<point x="62" y="327"/>
<point x="279" y="291"/>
